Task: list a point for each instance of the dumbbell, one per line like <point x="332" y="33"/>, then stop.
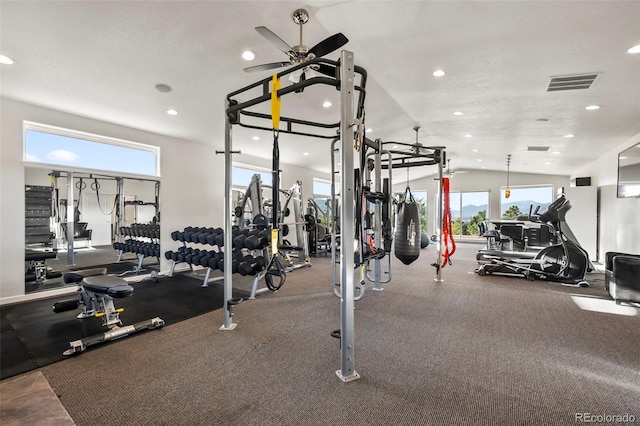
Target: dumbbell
<point x="258" y="241"/>
<point x="253" y="266"/>
<point x="235" y="261"/>
<point x="239" y="241"/>
<point x="219" y="238"/>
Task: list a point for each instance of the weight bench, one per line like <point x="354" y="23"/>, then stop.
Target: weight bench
<point x="97" y="291"/>
<point x="36" y="265"/>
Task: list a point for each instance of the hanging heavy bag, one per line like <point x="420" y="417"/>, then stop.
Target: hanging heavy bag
<point x="407" y="237"/>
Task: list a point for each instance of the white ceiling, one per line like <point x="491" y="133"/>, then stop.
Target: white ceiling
<point x="103" y="59"/>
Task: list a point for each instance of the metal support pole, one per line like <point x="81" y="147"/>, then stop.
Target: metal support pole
<point x="377" y="163"/>
<point x="334" y="222"/>
<point x="120" y="216"/>
<point x="228" y="280"/>
<point x="70" y="220"/>
<point x="440" y="224"/>
<point x="347" y="371"/>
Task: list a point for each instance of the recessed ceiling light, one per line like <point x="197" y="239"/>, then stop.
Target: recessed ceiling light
<point x="173" y="111"/>
<point x="570" y="135"/>
<point x="556" y="152"/>
<point x="458" y="113"/>
<point x="305" y="153"/>
<point x="256" y="138"/>
<point x="468" y="135"/>
<point x="326" y="104"/>
<point x="163" y="88"/>
<point x="547" y="163"/>
<point x="479" y="159"/>
<point x="6" y="60"/>
<point x="634" y="49"/>
<point x="394" y="146"/>
<point x="438" y="73"/>
<point x="248" y="55"/>
<point x="592" y="107"/>
<point x="369" y="130"/>
<point x="474" y="150"/>
<point x="483" y="167"/>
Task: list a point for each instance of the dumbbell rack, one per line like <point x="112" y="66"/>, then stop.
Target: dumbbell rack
<point x="214" y="259"/>
<point x="143" y="240"/>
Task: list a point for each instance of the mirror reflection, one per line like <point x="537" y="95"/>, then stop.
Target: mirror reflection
<point x="84" y="220"/>
<point x="629" y="172"/>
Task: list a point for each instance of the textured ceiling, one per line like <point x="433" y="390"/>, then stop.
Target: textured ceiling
<point x="103" y="59"/>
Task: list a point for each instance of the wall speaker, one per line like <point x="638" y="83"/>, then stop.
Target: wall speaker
<point x="583" y="181"/>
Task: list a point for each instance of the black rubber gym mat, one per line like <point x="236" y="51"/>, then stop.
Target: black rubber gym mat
<point x="124" y="266"/>
<point x="33" y="336"/>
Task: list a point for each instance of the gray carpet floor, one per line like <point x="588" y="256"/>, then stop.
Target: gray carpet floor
<point x="469" y="350"/>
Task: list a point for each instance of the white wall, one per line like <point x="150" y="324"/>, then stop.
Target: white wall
<point x="618" y="218"/>
<point x="182" y="204"/>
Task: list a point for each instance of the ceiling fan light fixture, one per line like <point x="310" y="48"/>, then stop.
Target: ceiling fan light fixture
<point x="634" y="49"/>
<point x="163" y="88"/>
<point x="248" y="55"/>
<point x="5" y="60"/>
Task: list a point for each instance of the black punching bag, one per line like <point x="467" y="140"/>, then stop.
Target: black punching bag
<point x="407" y="237"/>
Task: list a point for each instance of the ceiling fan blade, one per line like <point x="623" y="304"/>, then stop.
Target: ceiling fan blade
<point x="325" y="69"/>
<point x="328" y="45"/>
<point x="265" y="67"/>
<point x="275" y="40"/>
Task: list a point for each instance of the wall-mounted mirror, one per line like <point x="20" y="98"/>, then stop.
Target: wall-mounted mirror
<point x="629" y="172"/>
<point x="73" y="219"/>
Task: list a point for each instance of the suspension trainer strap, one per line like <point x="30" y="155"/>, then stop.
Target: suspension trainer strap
<point x="275" y="165"/>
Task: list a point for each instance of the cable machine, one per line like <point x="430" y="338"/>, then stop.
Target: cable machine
<point x="350" y="122"/>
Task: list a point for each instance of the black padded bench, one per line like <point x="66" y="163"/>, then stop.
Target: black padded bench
<point x="36" y="267"/>
<point x="115" y="287"/>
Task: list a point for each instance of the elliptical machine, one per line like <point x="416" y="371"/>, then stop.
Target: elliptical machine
<point x="565" y="262"/>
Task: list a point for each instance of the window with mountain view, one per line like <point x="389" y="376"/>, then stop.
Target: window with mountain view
<point x="467" y="210"/>
<point x="523" y="198"/>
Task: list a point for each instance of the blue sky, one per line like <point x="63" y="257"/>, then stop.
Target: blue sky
<point x="49" y="148"/>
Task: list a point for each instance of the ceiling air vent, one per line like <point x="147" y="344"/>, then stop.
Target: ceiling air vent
<point x="538" y="148"/>
<point x="571" y="82"/>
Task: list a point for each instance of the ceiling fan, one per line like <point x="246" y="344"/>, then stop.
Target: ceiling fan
<point x="449" y="172"/>
<point x="300" y="53"/>
<point x="412" y="148"/>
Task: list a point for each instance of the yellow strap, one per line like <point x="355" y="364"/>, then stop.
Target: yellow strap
<point x="274" y="241"/>
<point x="275" y="102"/>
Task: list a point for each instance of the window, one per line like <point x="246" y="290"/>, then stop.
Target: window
<point x="322" y="201"/>
<point x="321" y="188"/>
<point x="522" y="198"/>
<point x="241" y="176"/>
<point x="71" y="149"/>
<point x="467" y="210"/>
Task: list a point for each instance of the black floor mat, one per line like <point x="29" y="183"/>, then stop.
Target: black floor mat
<point x="32" y="335"/>
<point x="124" y="266"/>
